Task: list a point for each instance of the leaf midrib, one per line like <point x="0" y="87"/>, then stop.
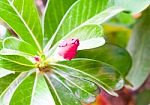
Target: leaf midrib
<point x="19" y="76"/>
<point x="84" y="74"/>
<point x="15" y="52"/>
<point x="34" y="38"/>
<point x="94" y="60"/>
<point x="54" y="89"/>
<point x="48" y="45"/>
<point x="73" y="83"/>
<point x="17" y="62"/>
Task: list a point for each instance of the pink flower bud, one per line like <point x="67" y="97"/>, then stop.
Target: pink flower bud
<point x="68" y="48"/>
<point x="37" y="58"/>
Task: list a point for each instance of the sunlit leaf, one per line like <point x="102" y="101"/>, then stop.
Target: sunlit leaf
<point x="41" y="94"/>
<point x="15" y="63"/>
<point x="24" y="20"/>
<point x="19" y="45"/>
<point x="82" y="13"/>
<point x="10" y="84"/>
<point x="53" y="82"/>
<point x="23" y="91"/>
<point x="84" y="90"/>
<point x="62" y="92"/>
<point x="54" y="12"/>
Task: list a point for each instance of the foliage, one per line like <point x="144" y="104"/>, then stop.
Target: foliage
<point x="139" y="48"/>
<point x="53" y="81"/>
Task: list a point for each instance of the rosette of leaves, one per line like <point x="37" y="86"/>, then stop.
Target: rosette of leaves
<point x="54" y="82"/>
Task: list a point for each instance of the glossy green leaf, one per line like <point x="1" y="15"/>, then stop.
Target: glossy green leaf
<point x="91" y="31"/>
<point x="16" y="44"/>
<point x="24" y="20"/>
<point x="54" y="12"/>
<point x="15" y="63"/>
<point x="24" y="92"/>
<point x="40" y="93"/>
<point x="101" y="73"/>
<point x="63" y="94"/>
<point x="69" y="82"/>
<point x="86" y="91"/>
<point x="6" y="81"/>
<point x="110" y="54"/>
<point x="12" y="82"/>
<point x="82" y="13"/>
<point x="52" y="89"/>
<point x="139" y="49"/>
<point x="4" y="72"/>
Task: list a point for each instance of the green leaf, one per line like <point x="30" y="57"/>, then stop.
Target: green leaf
<point x="24" y="92"/>
<point x="80" y="15"/>
<point x="24" y="20"/>
<point x="1" y="44"/>
<point x="101" y="73"/>
<point x="53" y="91"/>
<point x="15" y="63"/>
<point x="16" y="44"/>
<point x="91" y="31"/>
<point x="110" y="54"/>
<point x="6" y="81"/>
<point x="134" y="6"/>
<point x="40" y="93"/>
<point x="15" y="52"/>
<point x="4" y="72"/>
<point x="12" y="82"/>
<point x="54" y="12"/>
<point x="84" y="90"/>
<point x="62" y="93"/>
<point x="139" y="49"/>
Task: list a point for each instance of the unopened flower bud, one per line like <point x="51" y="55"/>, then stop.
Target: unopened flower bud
<point x="68" y="48"/>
